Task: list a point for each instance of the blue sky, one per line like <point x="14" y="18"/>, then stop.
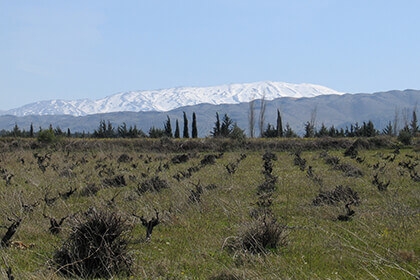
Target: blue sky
<point x="77" y="49"/>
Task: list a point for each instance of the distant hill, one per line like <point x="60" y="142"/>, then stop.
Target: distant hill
<point x="340" y="110"/>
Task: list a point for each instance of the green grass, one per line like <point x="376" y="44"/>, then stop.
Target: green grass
<point x="382" y="241"/>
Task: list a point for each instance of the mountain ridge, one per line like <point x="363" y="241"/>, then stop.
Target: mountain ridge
<point x="168" y="99"/>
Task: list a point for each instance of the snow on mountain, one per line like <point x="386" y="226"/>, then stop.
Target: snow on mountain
<point x="168" y="99"/>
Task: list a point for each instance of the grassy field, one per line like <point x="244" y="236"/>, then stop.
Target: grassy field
<point x="206" y="208"/>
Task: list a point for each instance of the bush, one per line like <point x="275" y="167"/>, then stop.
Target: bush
<point x="46" y="136"/>
<point x="117" y="181"/>
<point x="97" y="247"/>
<point x="180" y="159"/>
<point x="208" y="159"/>
<point x="237" y="133"/>
<point x="154" y="184"/>
<point x="261" y="235"/>
<point x="405" y="137"/>
<point x="339" y="194"/>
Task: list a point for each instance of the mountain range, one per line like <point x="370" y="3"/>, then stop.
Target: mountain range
<point x="339" y="110"/>
<point x="169" y="99"/>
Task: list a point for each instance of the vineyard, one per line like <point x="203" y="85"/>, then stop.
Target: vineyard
<point x="295" y="210"/>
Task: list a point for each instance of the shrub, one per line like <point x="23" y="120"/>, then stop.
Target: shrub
<point x="208" y="159"/>
<point x="349" y="170"/>
<point x="154" y="184"/>
<point x="180" y="159"/>
<point x="117" y="181"/>
<point x="46" y="136"/>
<point x="97" y="247"/>
<point x="262" y="234"/>
<point x="405" y="137"/>
<point x="351" y="151"/>
<point x="339" y="194"/>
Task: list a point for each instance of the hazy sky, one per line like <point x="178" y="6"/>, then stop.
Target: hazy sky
<point x="77" y="49"/>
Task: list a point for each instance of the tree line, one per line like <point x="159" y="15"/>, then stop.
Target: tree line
<point x="224" y="128"/>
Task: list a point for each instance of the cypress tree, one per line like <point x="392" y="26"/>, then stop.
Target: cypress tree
<point x="279" y="125"/>
<point x="168" y="127"/>
<point x="185" y="133"/>
<point x="68" y="132"/>
<point x="177" y="129"/>
<point x="31" y="131"/>
<point x="216" y="128"/>
<point x="16" y="131"/>
<point x="414" y="126"/>
<point x="194" y="132"/>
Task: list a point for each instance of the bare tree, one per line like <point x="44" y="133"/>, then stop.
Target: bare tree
<point x="396" y="120"/>
<point x="262" y="116"/>
<point x="405" y="116"/>
<point x="313" y="116"/>
<point x="251" y="118"/>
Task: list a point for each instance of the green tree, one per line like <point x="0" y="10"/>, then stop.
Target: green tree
<point x="332" y="132"/>
<point x="368" y="130"/>
<point x="237" y="133"/>
<point x="270" y="132"/>
<point x="168" y="127"/>
<point x="100" y="132"/>
<point x="46" y="136"/>
<point x="405" y="136"/>
<point x="110" y="132"/>
<point x="16" y="131"/>
<point x="279" y="125"/>
<point x="185" y="133"/>
<point x="309" y="130"/>
<point x="414" y="126"/>
<point x="216" y="129"/>
<point x="156" y="132"/>
<point x="31" y="131"/>
<point x="58" y="131"/>
<point x="288" y="132"/>
<point x="177" y="133"/>
<point x="122" y="130"/>
<point x="323" y="131"/>
<point x="194" y="132"/>
<point x="225" y="128"/>
<point x="388" y="130"/>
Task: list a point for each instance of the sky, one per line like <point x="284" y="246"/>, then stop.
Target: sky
<point x="91" y="49"/>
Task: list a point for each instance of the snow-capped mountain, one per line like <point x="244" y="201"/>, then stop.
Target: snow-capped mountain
<point x="168" y="99"/>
